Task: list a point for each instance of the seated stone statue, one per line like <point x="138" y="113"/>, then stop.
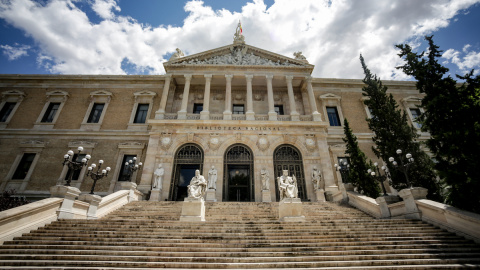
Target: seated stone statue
<point x="287" y="186"/>
<point x="197" y="186"/>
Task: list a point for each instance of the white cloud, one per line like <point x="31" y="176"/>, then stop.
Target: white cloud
<point x="466" y="63"/>
<point x="16" y="51"/>
<point x="331" y="34"/>
<point x="103" y="8"/>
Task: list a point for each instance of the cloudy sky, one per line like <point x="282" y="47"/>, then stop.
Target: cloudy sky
<point x="136" y="37"/>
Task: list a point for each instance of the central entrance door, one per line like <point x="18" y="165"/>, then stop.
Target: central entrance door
<point x="238" y="176"/>
<point x="187" y="159"/>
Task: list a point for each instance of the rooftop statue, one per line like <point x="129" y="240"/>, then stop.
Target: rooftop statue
<point x="177" y="54"/>
<point x="238" y="37"/>
<point x="299" y="56"/>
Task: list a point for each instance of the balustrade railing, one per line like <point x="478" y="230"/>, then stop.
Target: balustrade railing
<point x="238" y="117"/>
<point x="219" y="116"/>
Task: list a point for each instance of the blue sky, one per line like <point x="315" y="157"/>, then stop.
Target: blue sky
<point x="136" y="37"/>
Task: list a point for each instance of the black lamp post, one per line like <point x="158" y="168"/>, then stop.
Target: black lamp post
<point x="130" y="168"/>
<point x="376" y="175"/>
<point x="343" y="168"/>
<point x="403" y="166"/>
<point x="97" y="175"/>
<point x="73" y="165"/>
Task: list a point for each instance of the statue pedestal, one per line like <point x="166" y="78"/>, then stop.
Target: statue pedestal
<point x="94" y="201"/>
<point x="320" y="193"/>
<point x="210" y="195"/>
<point x="155" y="195"/>
<point x="290" y="210"/>
<point x="193" y="210"/>
<point x="266" y="196"/>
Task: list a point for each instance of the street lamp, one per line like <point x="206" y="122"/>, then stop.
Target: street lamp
<point x="343" y="168"/>
<point x="376" y="175"/>
<point x="129" y="168"/>
<point x="97" y="175"/>
<point x="73" y="165"/>
<point x="403" y="166"/>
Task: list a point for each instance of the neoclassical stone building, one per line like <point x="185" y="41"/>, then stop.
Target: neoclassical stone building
<point x="238" y="108"/>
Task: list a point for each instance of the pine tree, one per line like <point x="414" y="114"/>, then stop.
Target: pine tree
<point x="358" y="165"/>
<point x="452" y="116"/>
<point x="392" y="131"/>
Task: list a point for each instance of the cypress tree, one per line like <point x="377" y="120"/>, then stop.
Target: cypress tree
<point x="392" y="131"/>
<point x="452" y="116"/>
<point x="358" y="165"/>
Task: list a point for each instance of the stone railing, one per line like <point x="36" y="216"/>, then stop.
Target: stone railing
<point x="261" y="117"/>
<point x="416" y="206"/>
<point x="283" y="118"/>
<point x="216" y="116"/>
<point x="170" y="116"/>
<point x="219" y="116"/>
<point x="16" y="221"/>
<point x="238" y="117"/>
<point x="193" y="116"/>
<point x="306" y="118"/>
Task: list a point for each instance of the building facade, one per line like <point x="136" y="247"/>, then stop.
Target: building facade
<point x="241" y="109"/>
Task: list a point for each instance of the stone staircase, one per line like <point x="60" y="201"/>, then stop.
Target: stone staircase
<point x="146" y="235"/>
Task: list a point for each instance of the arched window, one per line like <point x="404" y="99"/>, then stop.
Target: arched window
<point x="188" y="158"/>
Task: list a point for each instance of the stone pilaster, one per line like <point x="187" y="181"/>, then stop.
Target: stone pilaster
<point x="204" y="114"/>
<point x="227" y="114"/>
<point x="160" y="114"/>
<point x="149" y="164"/>
<point x="272" y="115"/>
<point x="182" y="114"/>
<point x="291" y="99"/>
<point x="250" y="114"/>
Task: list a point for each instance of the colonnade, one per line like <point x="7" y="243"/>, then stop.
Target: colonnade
<point x="227" y="113"/>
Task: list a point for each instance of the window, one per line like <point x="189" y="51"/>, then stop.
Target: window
<point x="333" y="116"/>
<point x="415" y="114"/>
<point x="76" y="174"/>
<point x="95" y="113"/>
<point x="124" y="173"/>
<point x="279" y="109"/>
<point x="197" y="108"/>
<point x="24" y="166"/>
<point x="141" y="115"/>
<point x="6" y="111"/>
<point x="50" y="113"/>
<point x="238" y="109"/>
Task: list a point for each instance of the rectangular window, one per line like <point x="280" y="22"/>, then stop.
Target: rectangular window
<point x="415" y="114"/>
<point x="238" y="109"/>
<point x="141" y="114"/>
<point x="124" y="173"/>
<point x="76" y="174"/>
<point x="24" y="166"/>
<point x="333" y="116"/>
<point x="197" y="108"/>
<point x="279" y="109"/>
<point x="96" y="112"/>
<point x="6" y="111"/>
<point x="50" y="112"/>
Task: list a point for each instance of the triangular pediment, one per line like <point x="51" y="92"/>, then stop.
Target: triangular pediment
<point x="238" y="55"/>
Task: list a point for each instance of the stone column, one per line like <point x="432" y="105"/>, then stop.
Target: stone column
<point x="249" y="114"/>
<point x="204" y="114"/>
<point x="227" y="114"/>
<point x="160" y="114"/>
<point x="272" y="115"/>
<point x="313" y="104"/>
<point x="291" y="98"/>
<point x="182" y="114"/>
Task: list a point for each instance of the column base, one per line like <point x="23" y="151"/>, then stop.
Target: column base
<point x="295" y="116"/>
<point x="290" y="210"/>
<point x="204" y="115"/>
<point x="182" y="115"/>
<point x="317" y="116"/>
<point x="155" y="195"/>
<point x="227" y="115"/>
<point x="193" y="210"/>
<point x="320" y="194"/>
<point x="159" y="115"/>
<point x="210" y="197"/>
<point x="266" y="196"/>
<point x="272" y="116"/>
<point x="250" y="116"/>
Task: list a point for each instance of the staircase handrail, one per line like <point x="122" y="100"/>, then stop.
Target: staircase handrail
<point x="112" y="202"/>
<point x="22" y="219"/>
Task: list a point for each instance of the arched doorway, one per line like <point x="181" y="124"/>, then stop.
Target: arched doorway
<point x="287" y="157"/>
<point x="238" y="174"/>
<point x="188" y="158"/>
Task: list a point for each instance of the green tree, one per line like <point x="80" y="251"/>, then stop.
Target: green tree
<point x="452" y="116"/>
<point x="392" y="131"/>
<point x="358" y="165"/>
